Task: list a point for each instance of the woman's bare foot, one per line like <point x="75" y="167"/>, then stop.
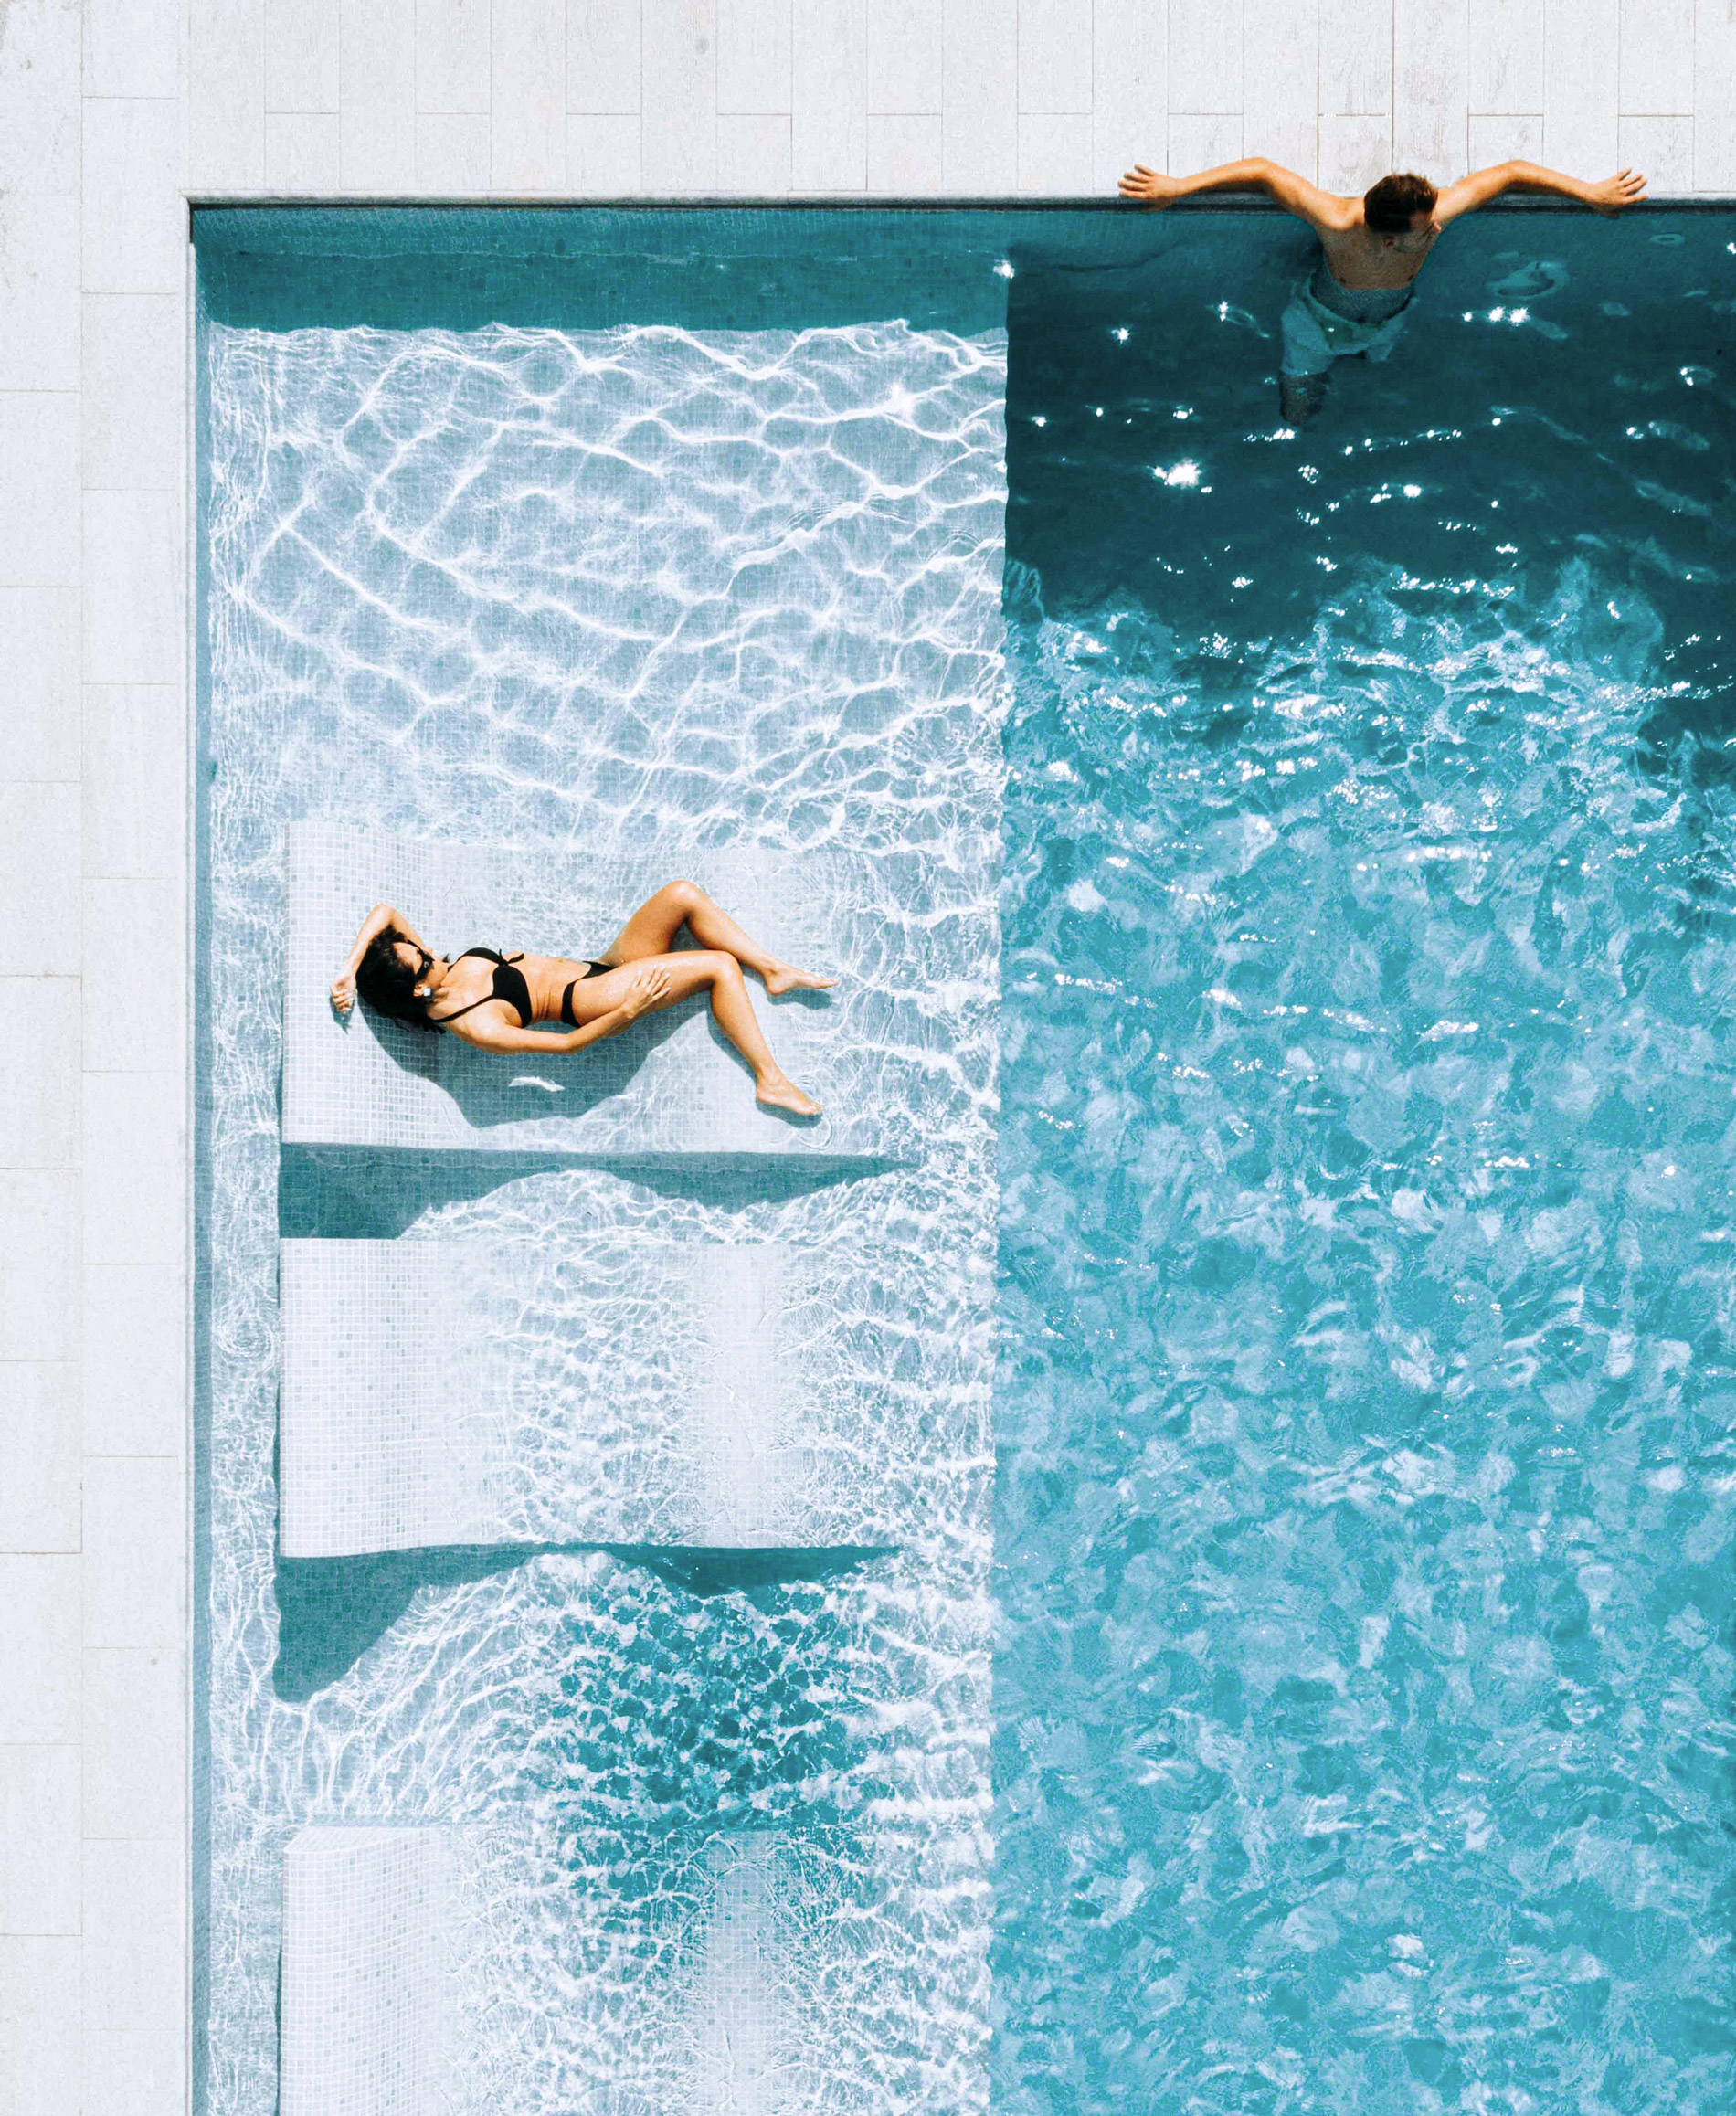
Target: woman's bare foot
<point x="777" y="1093"/>
<point x="786" y="979"/>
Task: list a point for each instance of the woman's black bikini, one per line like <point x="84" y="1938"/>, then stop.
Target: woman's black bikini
<point x="509" y="985"/>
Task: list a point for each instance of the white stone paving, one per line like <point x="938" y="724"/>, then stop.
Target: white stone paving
<point x="112" y="113"/>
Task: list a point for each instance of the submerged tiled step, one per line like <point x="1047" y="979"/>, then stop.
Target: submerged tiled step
<point x="610" y="1390"/>
<point x="668" y="1086"/>
<point x="741" y="1972"/>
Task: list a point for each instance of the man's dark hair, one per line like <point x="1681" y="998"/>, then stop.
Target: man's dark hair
<point x="389" y="988"/>
<point x="1390" y="206"/>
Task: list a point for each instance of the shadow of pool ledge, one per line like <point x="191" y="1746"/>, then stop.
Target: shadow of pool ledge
<point x="376" y="1193"/>
<point x="331" y="1610"/>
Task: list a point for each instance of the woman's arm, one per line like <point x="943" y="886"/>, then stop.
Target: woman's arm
<point x="381" y="919"/>
<point x="1609" y="198"/>
<point x="1321" y="209"/>
<point x="648" y="988"/>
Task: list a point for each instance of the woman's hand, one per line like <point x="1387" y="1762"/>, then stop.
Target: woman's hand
<point x="1616" y="192"/>
<point x="344" y="992"/>
<point x="647" y="987"/>
<point x="1149" y="189"/>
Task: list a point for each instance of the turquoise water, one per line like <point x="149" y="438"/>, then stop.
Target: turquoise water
<point x="1366" y="1421"/>
<point x="1330" y="1708"/>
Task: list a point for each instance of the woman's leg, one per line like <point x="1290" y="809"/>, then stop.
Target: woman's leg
<point x="652" y="928"/>
<point x="690" y="970"/>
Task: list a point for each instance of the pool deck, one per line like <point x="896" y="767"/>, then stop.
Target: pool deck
<point x="112" y="115"/>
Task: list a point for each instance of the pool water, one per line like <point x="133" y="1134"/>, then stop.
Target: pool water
<point x="1330" y="1708"/>
<point x="1366" y="1414"/>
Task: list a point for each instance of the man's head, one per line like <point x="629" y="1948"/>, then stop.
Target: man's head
<point x="1400" y="208"/>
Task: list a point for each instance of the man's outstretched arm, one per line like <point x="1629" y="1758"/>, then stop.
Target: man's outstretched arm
<point x="1470" y="192"/>
<point x="1319" y="209"/>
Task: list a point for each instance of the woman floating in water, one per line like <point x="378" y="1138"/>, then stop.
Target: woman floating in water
<point x="495" y="1000"/>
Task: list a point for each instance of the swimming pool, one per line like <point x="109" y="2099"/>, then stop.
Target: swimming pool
<point x="1328" y="1707"/>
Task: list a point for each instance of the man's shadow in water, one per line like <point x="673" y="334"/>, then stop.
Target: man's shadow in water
<point x="331" y="1610"/>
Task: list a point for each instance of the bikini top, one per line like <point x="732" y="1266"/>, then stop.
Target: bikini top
<point x="509" y="985"/>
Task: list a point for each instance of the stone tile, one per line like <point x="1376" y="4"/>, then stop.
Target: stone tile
<point x="1499" y="137"/>
<point x="1130" y="96"/>
<point x="603" y="157"/>
<point x="39" y="837"/>
<point x="41" y="2009"/>
<point x="980" y="78"/>
<point x="1581" y="40"/>
<point x="133" y="609"/>
<point x="1205" y="56"/>
<point x="134" y="219"/>
<point x="451" y="58"/>
<point x="38" y="1264"/>
<point x="1714" y="99"/>
<point x="829" y="105"/>
<point x="135" y="1168"/>
<point x="378" y="95"/>
<point x="905" y="156"/>
<point x="753" y="157"/>
<point x="1505" y="74"/>
<point x="1280" y="89"/>
<point x="39" y="690"/>
<point x="1656" y="73"/>
<point x="40" y="291"/>
<point x="1662" y="150"/>
<point x="1055" y="156"/>
<point x="1055" y="59"/>
<point x="134" y="368"/>
<point x="225" y="96"/>
<point x="41" y="61"/>
<point x="39" y="489"/>
<point x="1356" y="61"/>
<point x="678" y="88"/>
<point x="39" y="1650"/>
<point x="131" y="48"/>
<point x="302" y="153"/>
<point x="1204" y="143"/>
<point x="451" y="156"/>
<point x="134" y="1935"/>
<point x="135" y="1744"/>
<point x="1431" y="131"/>
<point x="301" y="59"/>
<point x="139" y="2072"/>
<point x="39" y="1841"/>
<point x="755" y="39"/>
<point x="603" y="40"/>
<point x="135" y="1367"/>
<point x="39" y="1048"/>
<point x="40" y="1451"/>
<point x="136" y="782"/>
<point x="133" y="1024"/>
<point x="906" y="39"/>
<point x="527" y="74"/>
<point x="1354" y="153"/>
<point x="135" y="1552"/>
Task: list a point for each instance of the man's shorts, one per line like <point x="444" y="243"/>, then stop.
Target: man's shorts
<point x="1314" y="337"/>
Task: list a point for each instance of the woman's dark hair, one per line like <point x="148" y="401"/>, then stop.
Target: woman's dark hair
<point x="390" y="989"/>
<point x="1390" y="206"/>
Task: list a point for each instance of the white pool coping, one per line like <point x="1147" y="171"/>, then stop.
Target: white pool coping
<point x="111" y="117"/>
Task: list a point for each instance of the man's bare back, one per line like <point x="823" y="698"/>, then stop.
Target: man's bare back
<point x="1371" y="244"/>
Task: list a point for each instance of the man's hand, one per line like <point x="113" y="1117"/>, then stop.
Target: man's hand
<point x="1149" y="189"/>
<point x="648" y="987"/>
<point x="1614" y="193"/>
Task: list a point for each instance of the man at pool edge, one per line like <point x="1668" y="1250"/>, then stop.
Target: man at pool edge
<point x="1371" y="249"/>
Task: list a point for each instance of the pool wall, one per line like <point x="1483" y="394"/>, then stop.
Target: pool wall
<point x="111" y="117"/>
